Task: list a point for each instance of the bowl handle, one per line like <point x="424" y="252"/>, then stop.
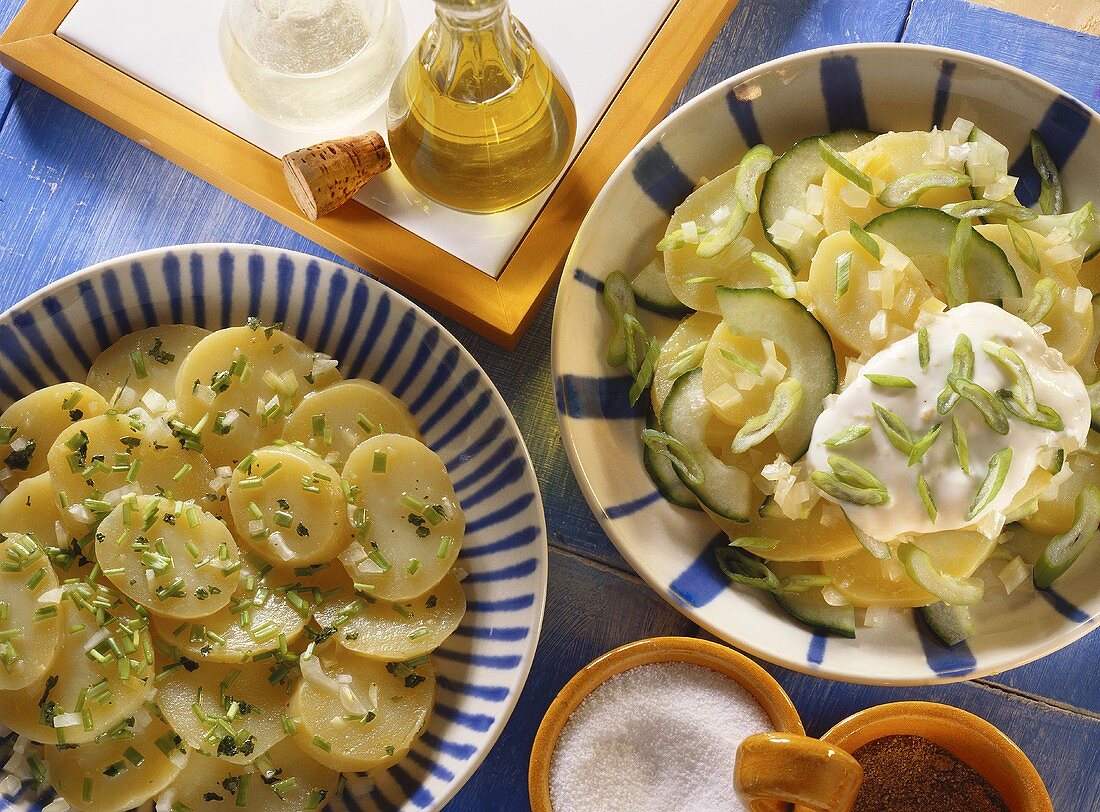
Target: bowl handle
<point x="776" y="769"/>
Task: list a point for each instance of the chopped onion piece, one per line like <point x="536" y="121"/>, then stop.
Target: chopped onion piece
<point x="66" y="720"/>
<point x="278" y="543"/>
<point x="877" y="615"/>
<point x="315" y="675"/>
<point x="52" y="595"/>
<point x="854" y="197"/>
<point x="10" y="786"/>
<point x="833" y="596"/>
<point x="961" y="129"/>
<point x="786" y="235"/>
<point x="807" y="222"/>
<point x="1082" y="299"/>
<point x="351" y="702"/>
<point x="877" y="326"/>
<point x="720" y="215"/>
<point x="1014" y="573"/>
<point x="690" y="231"/>
<point x="874" y="280"/>
<point x="815" y="199"/>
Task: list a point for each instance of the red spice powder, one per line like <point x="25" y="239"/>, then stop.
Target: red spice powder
<point x="907" y="773"/>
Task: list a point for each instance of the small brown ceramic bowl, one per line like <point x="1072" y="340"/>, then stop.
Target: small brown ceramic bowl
<point x="691" y="650"/>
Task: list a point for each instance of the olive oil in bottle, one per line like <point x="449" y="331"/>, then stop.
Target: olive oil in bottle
<point x="478" y="120"/>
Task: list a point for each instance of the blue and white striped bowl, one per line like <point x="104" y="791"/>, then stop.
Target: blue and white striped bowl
<point x="879" y="87"/>
<point x="375" y="333"/>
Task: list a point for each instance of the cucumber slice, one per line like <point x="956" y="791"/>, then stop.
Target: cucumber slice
<point x="786" y="183"/>
<point x="652" y="292"/>
<point x="664" y="476"/>
<point x="950" y="624"/>
<point x="725" y="490"/>
<point x="760" y="313"/>
<point x="922" y="570"/>
<point x="924" y="235"/>
<point x="810" y="608"/>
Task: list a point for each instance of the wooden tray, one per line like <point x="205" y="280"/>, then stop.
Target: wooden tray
<point x="499" y="309"/>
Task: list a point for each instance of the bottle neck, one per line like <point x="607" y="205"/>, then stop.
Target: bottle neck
<point x="471" y="15"/>
<point x="478" y="55"/>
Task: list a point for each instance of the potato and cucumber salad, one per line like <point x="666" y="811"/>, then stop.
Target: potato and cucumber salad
<point x="875" y="370"/>
<point x="225" y="570"/>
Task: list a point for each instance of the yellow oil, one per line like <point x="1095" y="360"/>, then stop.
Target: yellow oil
<point x="478" y="119"/>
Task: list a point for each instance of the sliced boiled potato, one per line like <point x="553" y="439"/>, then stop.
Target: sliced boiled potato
<point x="690" y="332"/>
<point x="358" y="714"/>
<point x="117" y="774"/>
<point x="244" y="381"/>
<point x="417" y="525"/>
<point x="866" y="581"/>
<point x="740" y="375"/>
<point x="89" y="690"/>
<point x="1071" y="325"/>
<point x="244" y="628"/>
<point x="30" y="425"/>
<point x="1056" y="511"/>
<point x="1089" y="274"/>
<point x="237" y="697"/>
<point x="334" y="420"/>
<point x="29" y="640"/>
<point x="173" y="558"/>
<point x="708" y="207"/>
<point x="147" y="359"/>
<point x="883" y="298"/>
<point x="289" y="507"/>
<point x="284" y="779"/>
<point x="30" y="509"/>
<point x="822" y="536"/>
<point x="885" y="158"/>
<point x="387" y="630"/>
<point x="95" y="462"/>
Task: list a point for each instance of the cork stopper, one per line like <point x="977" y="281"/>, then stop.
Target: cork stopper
<point x="325" y="176"/>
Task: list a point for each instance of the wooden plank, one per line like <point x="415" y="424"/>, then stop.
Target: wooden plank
<point x="1083" y="16"/>
<point x="1066" y="58"/>
<point x="1064" y="746"/>
<point x="586" y="616"/>
<point x="1051" y="677"/>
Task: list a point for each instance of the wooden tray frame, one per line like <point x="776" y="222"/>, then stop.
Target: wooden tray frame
<point x="500" y="309"/>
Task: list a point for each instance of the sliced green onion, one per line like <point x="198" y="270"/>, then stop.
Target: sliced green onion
<point x="618" y="301"/>
<point x="745" y="569"/>
<point x="985" y="208"/>
<point x="754" y="542"/>
<point x="999" y="464"/>
<point x="895" y="429"/>
<point x="719" y="239"/>
<point x="687" y="360"/>
<point x="890" y="381"/>
<point x="953" y="591"/>
<point x="781" y="276"/>
<point x="831" y="485"/>
<point x="1024" y="244"/>
<point x="843" y="274"/>
<point x="845" y="168"/>
<point x="1081" y="221"/>
<point x="1063" y="550"/>
<point x="852" y="473"/>
<point x="921" y="446"/>
<point x="378" y="465"/>
<point x="1045" y="417"/>
<point x="958" y="439"/>
<point x="755" y="163"/>
<point x="785" y="402"/>
<point x="865" y="240"/>
<point x="980" y="398"/>
<point x="735" y="357"/>
<point x="1043" y="296"/>
<point x="923" y="351"/>
<point x="644" y="376"/>
<point x="1051" y="199"/>
<point x="1023" y="390"/>
<point x="138" y="364"/>
<point x="906" y="190"/>
<point x="848" y="435"/>
<point x="926" y="499"/>
<point x="683" y="460"/>
<point x="958" y="256"/>
<point x="962" y="363"/>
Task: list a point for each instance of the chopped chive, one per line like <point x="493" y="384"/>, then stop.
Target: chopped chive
<point x="184" y="470"/>
<point x="271" y="470"/>
<point x="251" y="482"/>
<point x="865" y="240"/>
<point x="412" y="568"/>
<point x="322" y="743"/>
<point x="36" y="579"/>
<point x="379" y="560"/>
<point x="255" y="510"/>
<point x="86" y="790"/>
<point x="282" y="518"/>
<point x="242" y="789"/>
<point x="364" y="423"/>
<point x="848" y="435"/>
<point x="70" y="402"/>
<point x="319" y="425"/>
<point x="379" y="465"/>
<point x="416" y="635"/>
<point x="845" y="168"/>
<point x="138" y="364"/>
<point x="134" y="756"/>
<point x="444" y="546"/>
<point x="244" y="465"/>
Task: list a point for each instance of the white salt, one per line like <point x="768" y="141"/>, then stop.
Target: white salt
<point x="657" y="737"/>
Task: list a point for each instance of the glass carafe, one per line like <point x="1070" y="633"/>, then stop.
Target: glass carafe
<point x="478" y="118"/>
<point x="313" y="64"/>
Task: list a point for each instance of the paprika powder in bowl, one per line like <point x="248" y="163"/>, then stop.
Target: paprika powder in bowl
<point x="912" y="755"/>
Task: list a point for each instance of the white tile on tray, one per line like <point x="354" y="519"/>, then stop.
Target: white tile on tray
<point x="172" y="46"/>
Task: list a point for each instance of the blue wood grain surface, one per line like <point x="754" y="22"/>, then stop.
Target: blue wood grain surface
<point x="72" y="192"/>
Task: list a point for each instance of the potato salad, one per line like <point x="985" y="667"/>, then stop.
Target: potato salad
<point x="225" y="570"/>
<point x="874" y="367"/>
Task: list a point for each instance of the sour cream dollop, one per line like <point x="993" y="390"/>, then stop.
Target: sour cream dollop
<point x="1057" y="385"/>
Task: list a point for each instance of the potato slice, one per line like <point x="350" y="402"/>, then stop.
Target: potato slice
<point x="385" y="630"/>
<point x="289" y="507"/>
<point x="282" y="780"/>
<point x="95" y="462"/>
<point x="175" y="559"/>
<point x="357" y="714"/>
<point x="696" y="328"/>
<point x="885" y="158"/>
<point x="866" y="581"/>
<point x="1056" y="514"/>
<point x="416" y="522"/>
<point x="252" y="377"/>
<point x="823" y="535"/>
<point x="243" y="629"/>
<point x="737" y="390"/>
<point x="866" y="317"/>
<point x="87" y="678"/>
<point x="117" y="774"/>
<point x="29" y="640"/>
<point x="30" y="425"/>
<point x="232" y="697"/>
<point x="334" y="420"/>
<point x="30" y="509"/>
<point x="147" y="359"/>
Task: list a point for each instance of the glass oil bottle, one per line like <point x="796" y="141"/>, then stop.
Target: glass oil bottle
<point x="478" y="119"/>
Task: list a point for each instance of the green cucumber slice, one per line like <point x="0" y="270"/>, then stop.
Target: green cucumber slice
<point x="664" y="476"/>
<point x="760" y="313"/>
<point x="652" y="292"/>
<point x="950" y="624"/>
<point x="792" y="173"/>
<point x="810" y="608"/>
<point x="924" y="235"/>
<point x="724" y="490"/>
<point x="920" y="567"/>
<point x="1063" y="550"/>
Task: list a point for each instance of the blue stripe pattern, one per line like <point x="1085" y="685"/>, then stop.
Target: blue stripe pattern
<point x="744" y="117"/>
<point x="956" y="661"/>
<point x="377" y="335"/>
<point x="1063" y="606"/>
<point x="842" y="90"/>
<point x="702" y="581"/>
<point x="661" y="179"/>
<point x="943" y="92"/>
<point x="585" y="397"/>
<point x="816" y="652"/>
<point x="1062" y="129"/>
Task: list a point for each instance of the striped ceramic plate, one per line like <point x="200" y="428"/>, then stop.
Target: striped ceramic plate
<point x="878" y="87"/>
<point x="375" y="333"/>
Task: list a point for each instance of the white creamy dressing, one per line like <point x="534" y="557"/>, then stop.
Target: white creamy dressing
<point x="1057" y="385"/>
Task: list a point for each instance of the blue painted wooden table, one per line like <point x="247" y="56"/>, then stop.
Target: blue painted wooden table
<point x="73" y="192"/>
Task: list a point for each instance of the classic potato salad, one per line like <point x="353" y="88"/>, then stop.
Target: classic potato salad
<point x="224" y="572"/>
<point x="876" y="368"/>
